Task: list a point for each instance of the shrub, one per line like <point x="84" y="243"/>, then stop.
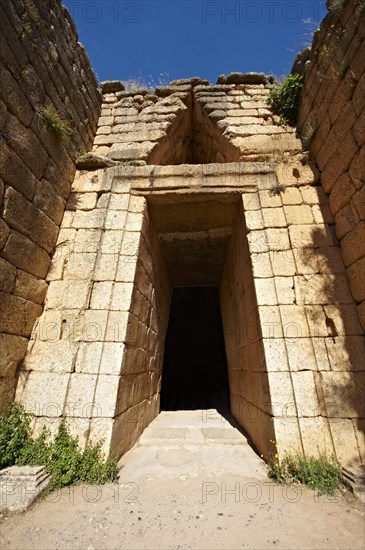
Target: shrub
<point x="14" y="435"/>
<point x="285" y="98"/>
<point x="62" y="457"/>
<point x="320" y="473"/>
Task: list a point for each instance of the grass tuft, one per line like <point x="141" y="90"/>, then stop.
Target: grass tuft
<point x="55" y="123"/>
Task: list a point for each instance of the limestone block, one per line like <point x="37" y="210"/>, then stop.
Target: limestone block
<point x="79" y="266"/>
<point x="296" y="173"/>
<point x="266" y="292"/>
<point x="68" y="294"/>
<point x="89" y="220"/>
<point x="106" y="267"/>
<point x="106" y="395"/>
<point x="274" y="217"/>
<point x="121" y="328"/>
<point x="339" y="164"/>
<point x="15" y="173"/>
<point x="341" y="193"/>
<point x="346" y="219"/>
<point x="285" y="290"/>
<point x="344" y="319"/>
<point x="7" y="276"/>
<point x="82" y="201"/>
<point x="310" y="235"/>
<point x="345" y="441"/>
<point x="29" y="287"/>
<point x="43" y="393"/>
<point x="306" y="260"/>
<point x="89" y="182"/>
<point x="316" y="436"/>
<point x="261" y="265"/>
<point x="329" y="259"/>
<point x="58" y="356"/>
<point x="13" y="349"/>
<point x="287" y="435"/>
<point x="122" y="296"/>
<point x="86" y="241"/>
<point x="48" y="326"/>
<point x="291" y="196"/>
<point x="278" y="239"/>
<point x="106" y="120"/>
<point x="294" y="321"/>
<point x="319" y="324"/>
<point x="254" y="220"/>
<point x="355" y="275"/>
<point x="359" y="202"/>
<point x="276" y="356"/>
<point x="282" y="396"/>
<point x="111" y="241"/>
<point x="80" y="399"/>
<point x="346" y="353"/>
<point x="270" y="321"/>
<point x="282" y="262"/>
<point x="361" y="314"/>
<point x="101" y="295"/>
<point x="299" y="215"/>
<point x="305" y="394"/>
<point x="301" y="355"/>
<point x="268" y="200"/>
<point x="29" y="220"/>
<point x="25" y="254"/>
<point x="353" y="244"/>
<point x="49" y="201"/>
<point x="322" y="289"/>
<point x="103" y="357"/>
<point x="135" y="360"/>
<point x="119" y="201"/>
<point x="18" y="315"/>
<point x="4" y="233"/>
<point x="343" y="392"/>
<point x="357" y="170"/>
<point x="115" y="219"/>
<point x="88" y="326"/>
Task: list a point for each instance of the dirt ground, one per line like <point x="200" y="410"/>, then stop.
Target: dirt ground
<point x="176" y="491"/>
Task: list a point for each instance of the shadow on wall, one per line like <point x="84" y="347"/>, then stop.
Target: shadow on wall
<point x="336" y="331"/>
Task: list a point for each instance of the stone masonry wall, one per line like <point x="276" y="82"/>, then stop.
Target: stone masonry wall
<point x="332" y="123"/>
<point x="294" y="345"/>
<point x="41" y="65"/>
<point x="193" y="122"/>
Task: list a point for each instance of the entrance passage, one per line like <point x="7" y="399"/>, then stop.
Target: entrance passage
<point x="194" y="374"/>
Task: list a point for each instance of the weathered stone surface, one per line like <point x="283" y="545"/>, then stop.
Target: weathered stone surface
<point x="245" y="78"/>
<point x="18" y="315"/>
<point x="29" y="287"/>
<point x="25" y="254"/>
<point x="112" y="86"/>
<point x="13" y="350"/>
<point x="93" y="161"/>
<point x="29" y="220"/>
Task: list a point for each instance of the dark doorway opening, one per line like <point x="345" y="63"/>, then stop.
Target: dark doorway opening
<point x="194" y="374"/>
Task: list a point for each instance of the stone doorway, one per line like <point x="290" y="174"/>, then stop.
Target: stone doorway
<point x="194" y="374"/>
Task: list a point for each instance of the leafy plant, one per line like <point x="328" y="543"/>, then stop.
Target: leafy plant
<point x="320" y="473"/>
<point x="14" y="434"/>
<point x="285" y="98"/>
<point x="62" y="457"/>
<point x="55" y="123"/>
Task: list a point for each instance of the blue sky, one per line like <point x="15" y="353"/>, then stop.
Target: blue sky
<point x="182" y="38"/>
